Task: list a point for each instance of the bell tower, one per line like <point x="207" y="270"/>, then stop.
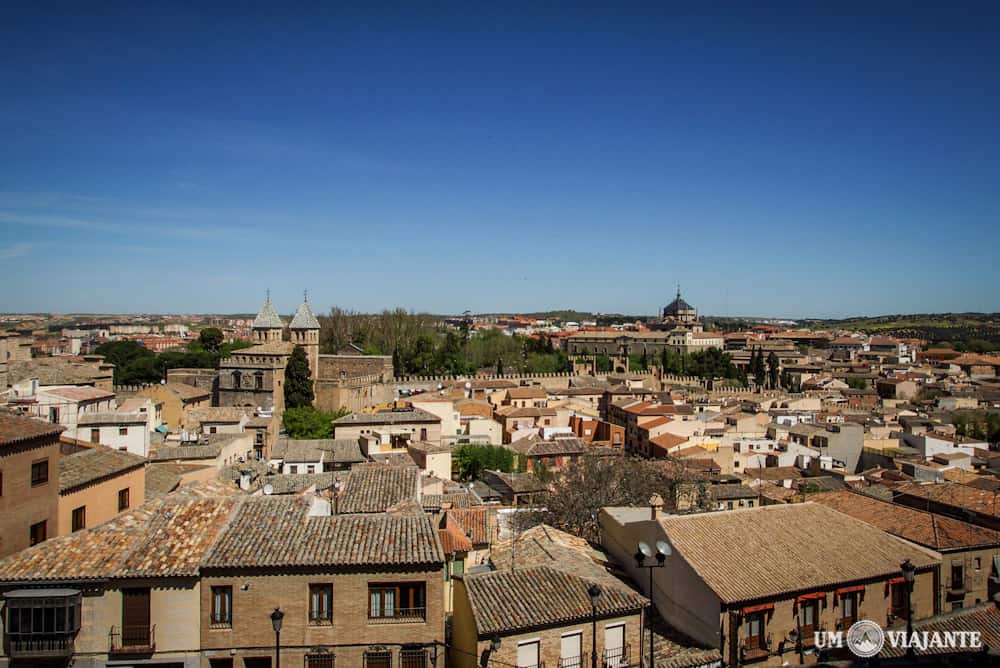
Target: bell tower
<point x="305" y="332"/>
<point x="267" y="326"/>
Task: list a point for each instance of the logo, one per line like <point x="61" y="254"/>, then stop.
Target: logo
<point x="865" y="638"/>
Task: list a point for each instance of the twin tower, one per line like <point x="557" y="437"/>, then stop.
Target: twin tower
<point x="304" y="330"/>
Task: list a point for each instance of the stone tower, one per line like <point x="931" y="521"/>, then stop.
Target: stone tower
<point x="305" y="333"/>
<point x="267" y="326"/>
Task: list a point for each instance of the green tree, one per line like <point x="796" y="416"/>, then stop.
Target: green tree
<point x="210" y="339"/>
<point x="469" y="461"/>
<point x="306" y="422"/>
<point x="772" y="369"/>
<point x="856" y="383"/>
<point x="757" y="368"/>
<point x="298" y="380"/>
<point x="603" y="363"/>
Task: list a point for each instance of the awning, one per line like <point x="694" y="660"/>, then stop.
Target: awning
<point x="812" y="597"/>
<point x="895" y="581"/>
<point x="42" y="593"/>
<point x="750" y="609"/>
<point x="163" y="429"/>
<point x="850" y="590"/>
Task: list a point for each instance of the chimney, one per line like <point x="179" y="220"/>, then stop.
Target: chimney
<point x="655" y="507"/>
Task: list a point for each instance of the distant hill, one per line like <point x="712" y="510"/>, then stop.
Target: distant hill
<point x="977" y="332"/>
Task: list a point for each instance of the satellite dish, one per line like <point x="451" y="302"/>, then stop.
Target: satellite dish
<point x="268" y="489"/>
<point x="646" y="550"/>
<point x="663" y="547"/>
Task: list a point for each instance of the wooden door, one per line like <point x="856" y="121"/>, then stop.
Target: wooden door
<point x="135" y="617"/>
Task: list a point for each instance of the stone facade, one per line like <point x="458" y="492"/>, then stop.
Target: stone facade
<point x="349" y="634"/>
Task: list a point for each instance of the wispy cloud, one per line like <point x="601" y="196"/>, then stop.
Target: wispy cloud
<point x="159" y="228"/>
<point x="15" y="250"/>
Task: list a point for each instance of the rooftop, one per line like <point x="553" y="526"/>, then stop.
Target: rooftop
<point x="396" y="416"/>
<point x="18" y="429"/>
<point x="374" y="488"/>
<point x="163" y="537"/>
<point x="785" y="549"/>
<point x="93" y="465"/>
<point x="271" y="531"/>
<point x="510" y="601"/>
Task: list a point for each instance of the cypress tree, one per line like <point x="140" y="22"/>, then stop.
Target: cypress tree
<point x="298" y="380"/>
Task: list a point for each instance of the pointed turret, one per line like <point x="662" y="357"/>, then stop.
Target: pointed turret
<point x="305" y="333"/>
<point x="267" y="325"/>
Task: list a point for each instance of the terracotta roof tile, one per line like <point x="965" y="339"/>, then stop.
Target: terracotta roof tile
<point x="374" y="488"/>
<point x="93" y="465"/>
<point x="786" y="548"/>
<point x="509" y="601"/>
<point x="270" y="531"/>
<point x="17" y="429"/>
<point x="934" y="531"/>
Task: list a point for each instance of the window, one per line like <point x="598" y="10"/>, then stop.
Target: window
<point x="527" y="654"/>
<point x="957" y="575"/>
<point x="258" y="382"/>
<point x="79" y="518"/>
<point x="404" y="601"/>
<point x="39" y="472"/>
<point x="899" y="600"/>
<point x="808" y="614"/>
<point x="222" y="607"/>
<point x="123" y="499"/>
<point x="848" y="610"/>
<point x="95" y="435"/>
<point x="755" y="631"/>
<point x="123" y="431"/>
<point x="54" y="415"/>
<point x="38" y="532"/>
<point x="979" y="563"/>
<point x="319" y="660"/>
<point x="570" y="650"/>
<point x="321" y="604"/>
<point x="412" y="658"/>
<point x="293" y="468"/>
<point x="30" y="620"/>
<point x="423" y="433"/>
<point x="378" y="659"/>
<point x="213" y="430"/>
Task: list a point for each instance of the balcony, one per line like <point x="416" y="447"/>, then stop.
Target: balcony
<point x="616" y="657"/>
<point x="755" y="648"/>
<point x="400" y="616"/>
<point x="132" y="640"/>
<point x="40" y="647"/>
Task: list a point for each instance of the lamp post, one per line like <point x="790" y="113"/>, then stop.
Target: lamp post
<point x="909" y="575"/>
<point x="643" y="552"/>
<point x="595" y="593"/>
<point x="276" y="618"/>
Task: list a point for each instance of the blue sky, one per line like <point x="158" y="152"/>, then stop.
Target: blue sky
<point x="799" y="159"/>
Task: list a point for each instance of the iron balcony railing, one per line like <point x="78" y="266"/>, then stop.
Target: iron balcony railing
<point x="399" y="616"/>
<point x="616" y="657"/>
<point x="132" y="639"/>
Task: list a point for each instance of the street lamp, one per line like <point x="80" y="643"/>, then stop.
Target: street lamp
<point x="909" y="575"/>
<point x="595" y="594"/>
<point x="276" y="618"/>
<point x="643" y="552"/>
